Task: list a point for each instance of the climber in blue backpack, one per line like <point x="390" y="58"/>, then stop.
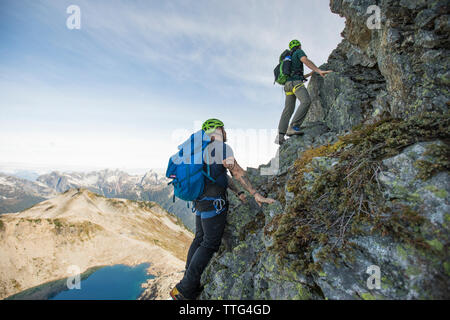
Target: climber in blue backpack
<point x="199" y="173"/>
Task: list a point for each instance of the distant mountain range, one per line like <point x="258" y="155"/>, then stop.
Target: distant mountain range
<point x="24" y="174"/>
<point x="17" y="194"/>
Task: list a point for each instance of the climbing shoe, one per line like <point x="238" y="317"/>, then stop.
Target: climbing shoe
<point x="294" y="130"/>
<point x="176" y="295"/>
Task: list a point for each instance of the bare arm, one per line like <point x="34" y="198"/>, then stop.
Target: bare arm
<point x="309" y="64"/>
<point x="312" y="72"/>
<point x="313" y="67"/>
<point x="239" y="174"/>
<point x="233" y="187"/>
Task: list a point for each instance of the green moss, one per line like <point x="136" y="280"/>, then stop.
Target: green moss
<point x="435" y="244"/>
<point x="386" y="283"/>
<point x="254" y="225"/>
<point x="302" y="293"/>
<point x="367" y="296"/>
<point x="144" y="204"/>
<point x="447" y="267"/>
<point x="77" y="231"/>
<point x="440" y="193"/>
<point x="402" y="252"/>
<point x="270" y="267"/>
<point x="34" y="220"/>
<point x="440" y="154"/>
<point x="447" y="217"/>
<point x="58" y="223"/>
<point x="240" y="246"/>
<point x="2" y="225"/>
<point x="414" y="197"/>
<point x="413" y="271"/>
<point x="345" y="200"/>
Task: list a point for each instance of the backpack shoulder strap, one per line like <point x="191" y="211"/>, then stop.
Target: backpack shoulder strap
<point x="208" y="173"/>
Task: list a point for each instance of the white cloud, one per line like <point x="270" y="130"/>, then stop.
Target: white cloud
<point x="227" y="48"/>
<point x="95" y="149"/>
<point x="207" y="41"/>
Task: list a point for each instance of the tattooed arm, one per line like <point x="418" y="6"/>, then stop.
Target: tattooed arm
<point x="233" y="187"/>
<point x="240" y="175"/>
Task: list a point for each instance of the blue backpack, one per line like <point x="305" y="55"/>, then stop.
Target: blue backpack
<point x="186" y="167"/>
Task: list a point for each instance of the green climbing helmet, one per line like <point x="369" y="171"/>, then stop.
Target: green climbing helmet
<point x="293" y="44"/>
<point x="211" y="124"/>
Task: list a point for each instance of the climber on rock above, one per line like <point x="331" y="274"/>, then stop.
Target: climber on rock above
<point x="211" y="208"/>
<point x="295" y="89"/>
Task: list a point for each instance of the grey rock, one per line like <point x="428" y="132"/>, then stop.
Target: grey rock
<point x="409" y="29"/>
<point x="400" y="182"/>
<point x="413" y="4"/>
<point x="400" y="70"/>
<point x="442" y="24"/>
<point x="425" y="18"/>
<point x="427" y="39"/>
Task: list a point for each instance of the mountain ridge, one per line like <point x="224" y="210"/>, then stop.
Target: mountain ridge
<point x="82" y="228"/>
<point x="367" y="186"/>
<point x="149" y="186"/>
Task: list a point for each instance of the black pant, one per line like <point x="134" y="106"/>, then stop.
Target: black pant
<point x="208" y="236"/>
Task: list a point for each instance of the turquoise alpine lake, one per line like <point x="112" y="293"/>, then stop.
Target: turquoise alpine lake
<point x="117" y="282"/>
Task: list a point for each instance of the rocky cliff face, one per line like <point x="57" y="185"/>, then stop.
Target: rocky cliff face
<point x="400" y="69"/>
<point x="368" y="183"/>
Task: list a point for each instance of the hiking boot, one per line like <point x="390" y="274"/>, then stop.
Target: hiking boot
<point x="198" y="292"/>
<point x="280" y="139"/>
<point x="294" y="130"/>
<point x="176" y="295"/>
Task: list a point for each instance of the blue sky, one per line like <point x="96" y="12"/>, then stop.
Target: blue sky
<point x="123" y="90"/>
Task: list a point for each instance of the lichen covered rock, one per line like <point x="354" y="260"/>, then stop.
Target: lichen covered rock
<point x="360" y="200"/>
<point x="400" y="68"/>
